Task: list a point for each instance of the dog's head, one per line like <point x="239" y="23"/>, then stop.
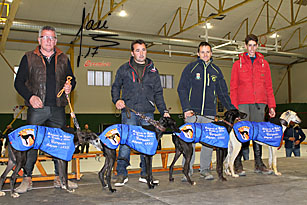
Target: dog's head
<point x="289" y="116"/>
<point x="232" y="115"/>
<point x="92" y="138"/>
<point x="170" y="123"/>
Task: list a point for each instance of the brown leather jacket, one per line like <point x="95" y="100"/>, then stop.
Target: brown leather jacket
<point x="36" y="82"/>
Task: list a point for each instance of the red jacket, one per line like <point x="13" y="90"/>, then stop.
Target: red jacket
<point x="251" y="83"/>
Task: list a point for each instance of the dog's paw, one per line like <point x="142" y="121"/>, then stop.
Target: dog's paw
<point x="2" y="193"/>
<point x="171" y="179"/>
<point x="222" y="179"/>
<point x="112" y="190"/>
<point x="15" y="195"/>
<point x="235" y="175"/>
<point x="71" y="190"/>
<point x="277" y="173"/>
<point x="193" y="183"/>
<point x="227" y="172"/>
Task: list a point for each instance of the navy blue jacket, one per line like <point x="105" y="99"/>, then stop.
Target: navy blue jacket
<point x="295" y="132"/>
<point x="199" y="87"/>
<point x="140" y="95"/>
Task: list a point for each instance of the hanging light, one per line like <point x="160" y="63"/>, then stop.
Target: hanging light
<point x="122" y="12"/>
<point x="274" y="35"/>
<point x="208" y="25"/>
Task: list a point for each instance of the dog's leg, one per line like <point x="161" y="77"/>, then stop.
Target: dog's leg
<point x="273" y="160"/>
<point x="226" y="161"/>
<point x="63" y="175"/>
<point x="171" y="167"/>
<point x="187" y="153"/>
<point x="101" y="173"/>
<point x="219" y="163"/>
<point x="9" y="167"/>
<point x="148" y="162"/>
<point x="112" y="159"/>
<point x="236" y="147"/>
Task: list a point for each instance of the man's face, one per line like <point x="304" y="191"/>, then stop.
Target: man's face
<point x="47" y="40"/>
<point x="251" y="48"/>
<point x="205" y="53"/>
<point x="139" y="53"/>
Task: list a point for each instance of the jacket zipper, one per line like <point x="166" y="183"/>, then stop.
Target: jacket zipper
<point x="204" y="89"/>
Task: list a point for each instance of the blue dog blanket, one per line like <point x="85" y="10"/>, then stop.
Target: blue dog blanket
<point x="208" y="133"/>
<point x="264" y="132"/>
<point x="53" y="141"/>
<point x="136" y="137"/>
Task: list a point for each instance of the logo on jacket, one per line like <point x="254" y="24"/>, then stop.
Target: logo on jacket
<point x="213" y="77"/>
<point x="27" y="137"/>
<point x="114" y="136"/>
<point x="197" y="77"/>
<point x="153" y="69"/>
<point x="244" y="132"/>
<point x="187" y="131"/>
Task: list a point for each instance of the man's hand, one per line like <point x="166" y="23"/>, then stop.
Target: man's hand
<point x="291" y="138"/>
<point x="67" y="87"/>
<point x="189" y="113"/>
<point x="120" y="104"/>
<point x="297" y="142"/>
<point x="166" y="114"/>
<point x="272" y="112"/>
<point x="36" y="102"/>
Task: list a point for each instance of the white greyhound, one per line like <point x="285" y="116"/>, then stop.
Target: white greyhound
<point x="234" y="146"/>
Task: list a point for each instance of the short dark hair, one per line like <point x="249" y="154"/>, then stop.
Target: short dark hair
<point x="46" y="28"/>
<point x="204" y="43"/>
<point x="251" y="37"/>
<point x="138" y="41"/>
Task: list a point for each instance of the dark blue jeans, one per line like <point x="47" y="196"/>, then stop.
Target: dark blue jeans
<point x="296" y="152"/>
<point x="123" y="160"/>
<point x="48" y="116"/>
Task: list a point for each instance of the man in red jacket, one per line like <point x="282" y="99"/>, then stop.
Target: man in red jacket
<point x="250" y="91"/>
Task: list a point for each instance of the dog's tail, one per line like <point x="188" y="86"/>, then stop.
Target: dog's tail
<point x="282" y="139"/>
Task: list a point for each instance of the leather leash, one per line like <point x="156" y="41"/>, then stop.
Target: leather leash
<point x="72" y="114"/>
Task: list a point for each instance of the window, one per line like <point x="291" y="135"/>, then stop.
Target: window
<point x="167" y="81"/>
<point x="99" y="78"/>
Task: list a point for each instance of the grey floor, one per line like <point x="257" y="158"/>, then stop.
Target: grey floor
<point x="290" y="188"/>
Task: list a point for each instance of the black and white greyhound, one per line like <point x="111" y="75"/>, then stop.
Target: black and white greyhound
<point x="18" y="160"/>
<point x="185" y="148"/>
<point x="110" y="154"/>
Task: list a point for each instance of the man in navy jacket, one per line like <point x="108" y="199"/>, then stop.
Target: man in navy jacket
<point x="200" y="84"/>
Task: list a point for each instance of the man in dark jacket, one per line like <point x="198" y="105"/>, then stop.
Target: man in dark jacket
<point x="200" y="84"/>
<point x="41" y="75"/>
<point x="293" y="137"/>
<point x="137" y="85"/>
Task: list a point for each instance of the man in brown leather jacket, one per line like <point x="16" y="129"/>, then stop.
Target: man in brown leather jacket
<point x="41" y="75"/>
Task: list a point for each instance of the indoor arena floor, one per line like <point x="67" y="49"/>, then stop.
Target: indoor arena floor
<point x="290" y="188"/>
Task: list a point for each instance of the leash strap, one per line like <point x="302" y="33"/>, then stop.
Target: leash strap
<point x="72" y="114"/>
<point x="155" y="123"/>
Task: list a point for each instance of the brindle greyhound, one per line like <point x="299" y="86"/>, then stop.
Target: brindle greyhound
<point x="185" y="148"/>
<point x="110" y="154"/>
<point x="18" y="160"/>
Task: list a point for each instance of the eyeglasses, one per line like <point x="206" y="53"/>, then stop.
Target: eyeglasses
<point x="51" y="38"/>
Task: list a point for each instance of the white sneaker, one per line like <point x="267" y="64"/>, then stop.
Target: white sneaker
<point x="121" y="181"/>
<point x="144" y="180"/>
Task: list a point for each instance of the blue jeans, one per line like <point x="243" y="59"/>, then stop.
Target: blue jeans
<point x="296" y="152"/>
<point x="49" y="116"/>
<point x="123" y="160"/>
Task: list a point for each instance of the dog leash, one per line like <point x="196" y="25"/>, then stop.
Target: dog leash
<point x="72" y="114"/>
<point x="155" y="123"/>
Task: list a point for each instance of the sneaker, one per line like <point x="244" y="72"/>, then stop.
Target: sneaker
<point x="57" y="183"/>
<point x="144" y="180"/>
<point x="207" y="175"/>
<point x="263" y="170"/>
<point x="241" y="173"/>
<point x="121" y="180"/>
